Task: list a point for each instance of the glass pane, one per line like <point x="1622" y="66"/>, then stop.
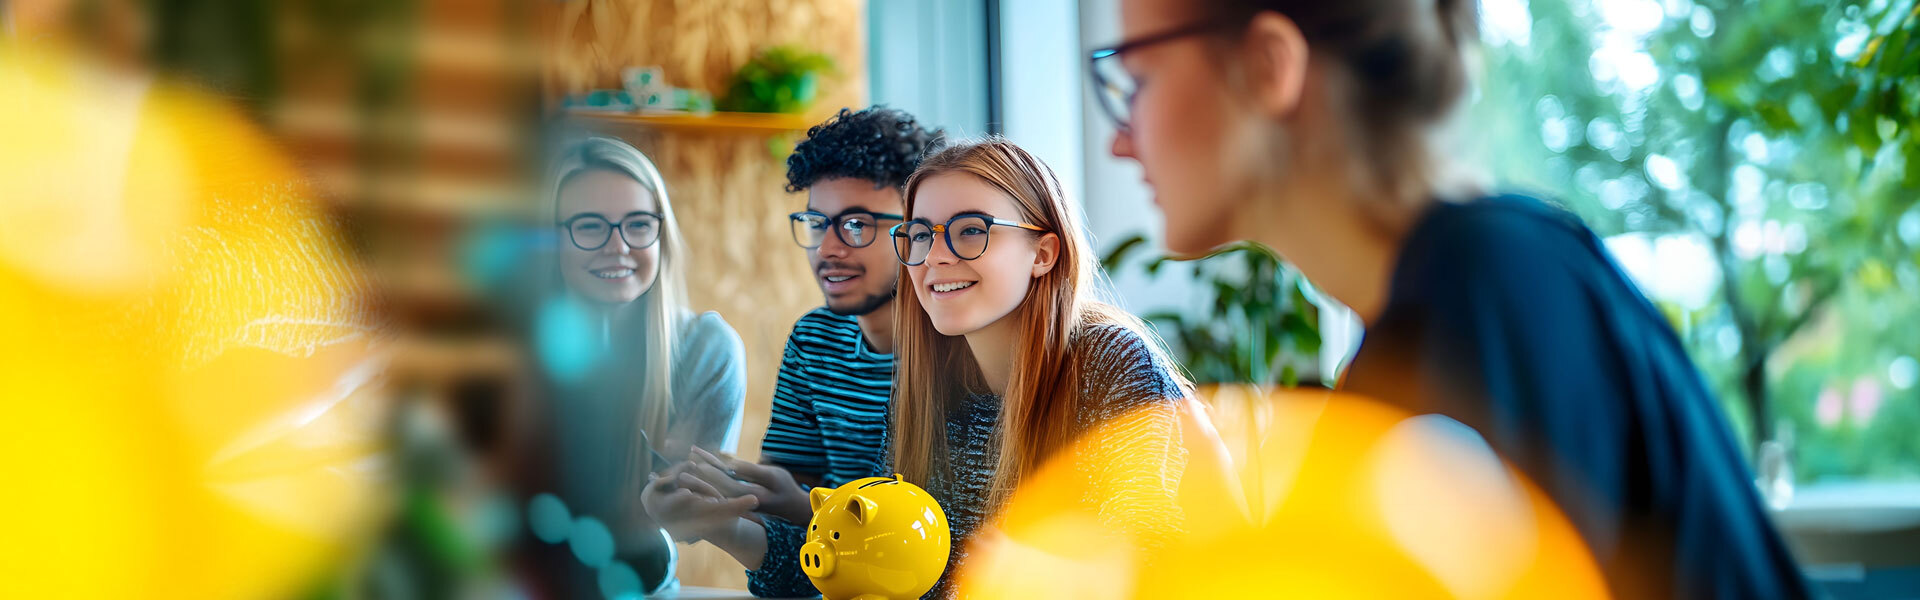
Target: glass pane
<point x="641" y="231"/>
<point x="970" y="236"/>
<point x="916" y="242"/>
<point x="858" y="230"/>
<point x="1114" y="86"/>
<point x="809" y="230"/>
<point x="590" y="233"/>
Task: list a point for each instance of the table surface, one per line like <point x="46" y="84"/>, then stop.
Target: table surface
<point x="706" y="593"/>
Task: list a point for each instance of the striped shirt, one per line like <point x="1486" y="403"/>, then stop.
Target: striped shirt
<point x="829" y="413"/>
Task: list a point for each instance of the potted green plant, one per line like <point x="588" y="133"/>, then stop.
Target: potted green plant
<point x="782" y="79"/>
<point x="1260" y="326"/>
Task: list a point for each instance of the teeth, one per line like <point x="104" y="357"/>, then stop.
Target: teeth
<point x="839" y="279"/>
<point x="613" y="273"/>
<point x="948" y="287"/>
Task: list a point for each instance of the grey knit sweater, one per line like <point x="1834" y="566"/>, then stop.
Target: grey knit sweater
<point x="1120" y="374"/>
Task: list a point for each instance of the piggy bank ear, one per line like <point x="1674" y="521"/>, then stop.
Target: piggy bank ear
<point x="818" y="497"/>
<point x="862" y="508"/>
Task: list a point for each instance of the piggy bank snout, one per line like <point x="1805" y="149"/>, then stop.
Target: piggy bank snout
<point x="817" y="559"/>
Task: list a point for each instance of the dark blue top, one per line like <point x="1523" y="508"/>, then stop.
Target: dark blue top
<point x="829" y="419"/>
<point x="1507" y="315"/>
<point x="829" y="416"/>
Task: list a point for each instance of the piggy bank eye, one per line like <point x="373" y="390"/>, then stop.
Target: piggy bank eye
<point x="816" y="527"/>
<point x="836" y="535"/>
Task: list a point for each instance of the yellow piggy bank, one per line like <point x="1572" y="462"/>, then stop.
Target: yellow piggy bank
<point x="875" y="539"/>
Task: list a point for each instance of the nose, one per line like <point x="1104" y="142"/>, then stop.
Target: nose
<point x="1122" y="144"/>
<point x="940" y="254"/>
<point x="832" y="247"/>
<point x="616" y="244"/>
<point x="817" y="559"/>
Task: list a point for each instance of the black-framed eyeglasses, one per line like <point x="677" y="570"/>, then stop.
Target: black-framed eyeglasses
<point x="856" y="228"/>
<point x="1111" y="82"/>
<point x="967" y="236"/>
<point x="590" y="231"/>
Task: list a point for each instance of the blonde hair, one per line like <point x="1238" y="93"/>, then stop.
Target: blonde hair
<point x="934" y="372"/>
<point x="664" y="305"/>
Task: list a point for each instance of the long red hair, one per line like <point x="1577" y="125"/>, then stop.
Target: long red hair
<point x="934" y="373"/>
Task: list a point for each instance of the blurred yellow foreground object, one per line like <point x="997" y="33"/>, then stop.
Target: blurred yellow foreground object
<point x="186" y="384"/>
<point x="1345" y="498"/>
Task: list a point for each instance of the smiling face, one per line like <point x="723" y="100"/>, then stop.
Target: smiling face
<point x="615" y="273"/>
<point x="964" y="296"/>
<point x="855" y="281"/>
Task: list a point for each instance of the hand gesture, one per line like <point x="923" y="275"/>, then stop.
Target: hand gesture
<point x="691" y="509"/>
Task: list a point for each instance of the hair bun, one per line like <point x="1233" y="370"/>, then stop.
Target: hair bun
<point x="1405" y="54"/>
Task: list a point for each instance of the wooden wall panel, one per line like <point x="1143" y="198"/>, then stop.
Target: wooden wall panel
<point x="701" y="43"/>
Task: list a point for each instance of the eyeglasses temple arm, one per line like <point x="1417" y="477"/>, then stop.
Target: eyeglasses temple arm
<point x="1020" y="225"/>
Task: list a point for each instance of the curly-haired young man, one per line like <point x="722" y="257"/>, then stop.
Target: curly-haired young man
<point x="830" y="400"/>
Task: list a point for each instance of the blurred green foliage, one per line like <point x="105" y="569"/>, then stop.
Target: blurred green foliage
<point x="1258" y="327"/>
<point x="1778" y="134"/>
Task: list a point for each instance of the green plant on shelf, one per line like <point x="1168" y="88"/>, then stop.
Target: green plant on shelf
<point x="782" y="79"/>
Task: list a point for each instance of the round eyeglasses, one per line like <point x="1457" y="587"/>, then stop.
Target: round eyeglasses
<point x="855" y="228"/>
<point x="591" y="231"/>
<point x="1115" y="87"/>
<point x="967" y="237"/>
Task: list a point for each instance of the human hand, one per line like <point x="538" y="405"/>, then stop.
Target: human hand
<point x="689" y="508"/>
<point x="779" y="495"/>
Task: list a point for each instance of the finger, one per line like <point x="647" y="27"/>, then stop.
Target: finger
<point x="687" y="504"/>
<point x="712" y="476"/>
<point x="683" y="505"/>
<point x="743" y="467"/>
<point x="697" y="485"/>
<point x="667" y="479"/>
<point x="755" y="489"/>
<point x="762" y="475"/>
<point x="720" y="480"/>
<point x="662" y="482"/>
<point x="715" y="509"/>
<point x="714" y="461"/>
<point x="743" y="505"/>
<point x="685" y="508"/>
<point x="735" y="469"/>
<point x="737" y="486"/>
<point x="685" y="501"/>
<point x="665" y="506"/>
<point x="656" y="485"/>
<point x="675" y="470"/>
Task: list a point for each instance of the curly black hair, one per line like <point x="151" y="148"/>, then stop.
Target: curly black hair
<point x="882" y="145"/>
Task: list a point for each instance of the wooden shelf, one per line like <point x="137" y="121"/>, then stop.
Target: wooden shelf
<point x="719" y="122"/>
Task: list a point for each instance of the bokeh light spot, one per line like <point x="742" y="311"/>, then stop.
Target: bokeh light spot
<point x="592" y="543"/>
<point x="549" y="518"/>
<point x="565" y="339"/>
<point x="617" y="580"/>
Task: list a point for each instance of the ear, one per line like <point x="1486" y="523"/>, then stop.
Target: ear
<point x="1046" y="253"/>
<point x="1276" y="62"/>
<point x="862" y="508"/>
<point x="818" y="497"/>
